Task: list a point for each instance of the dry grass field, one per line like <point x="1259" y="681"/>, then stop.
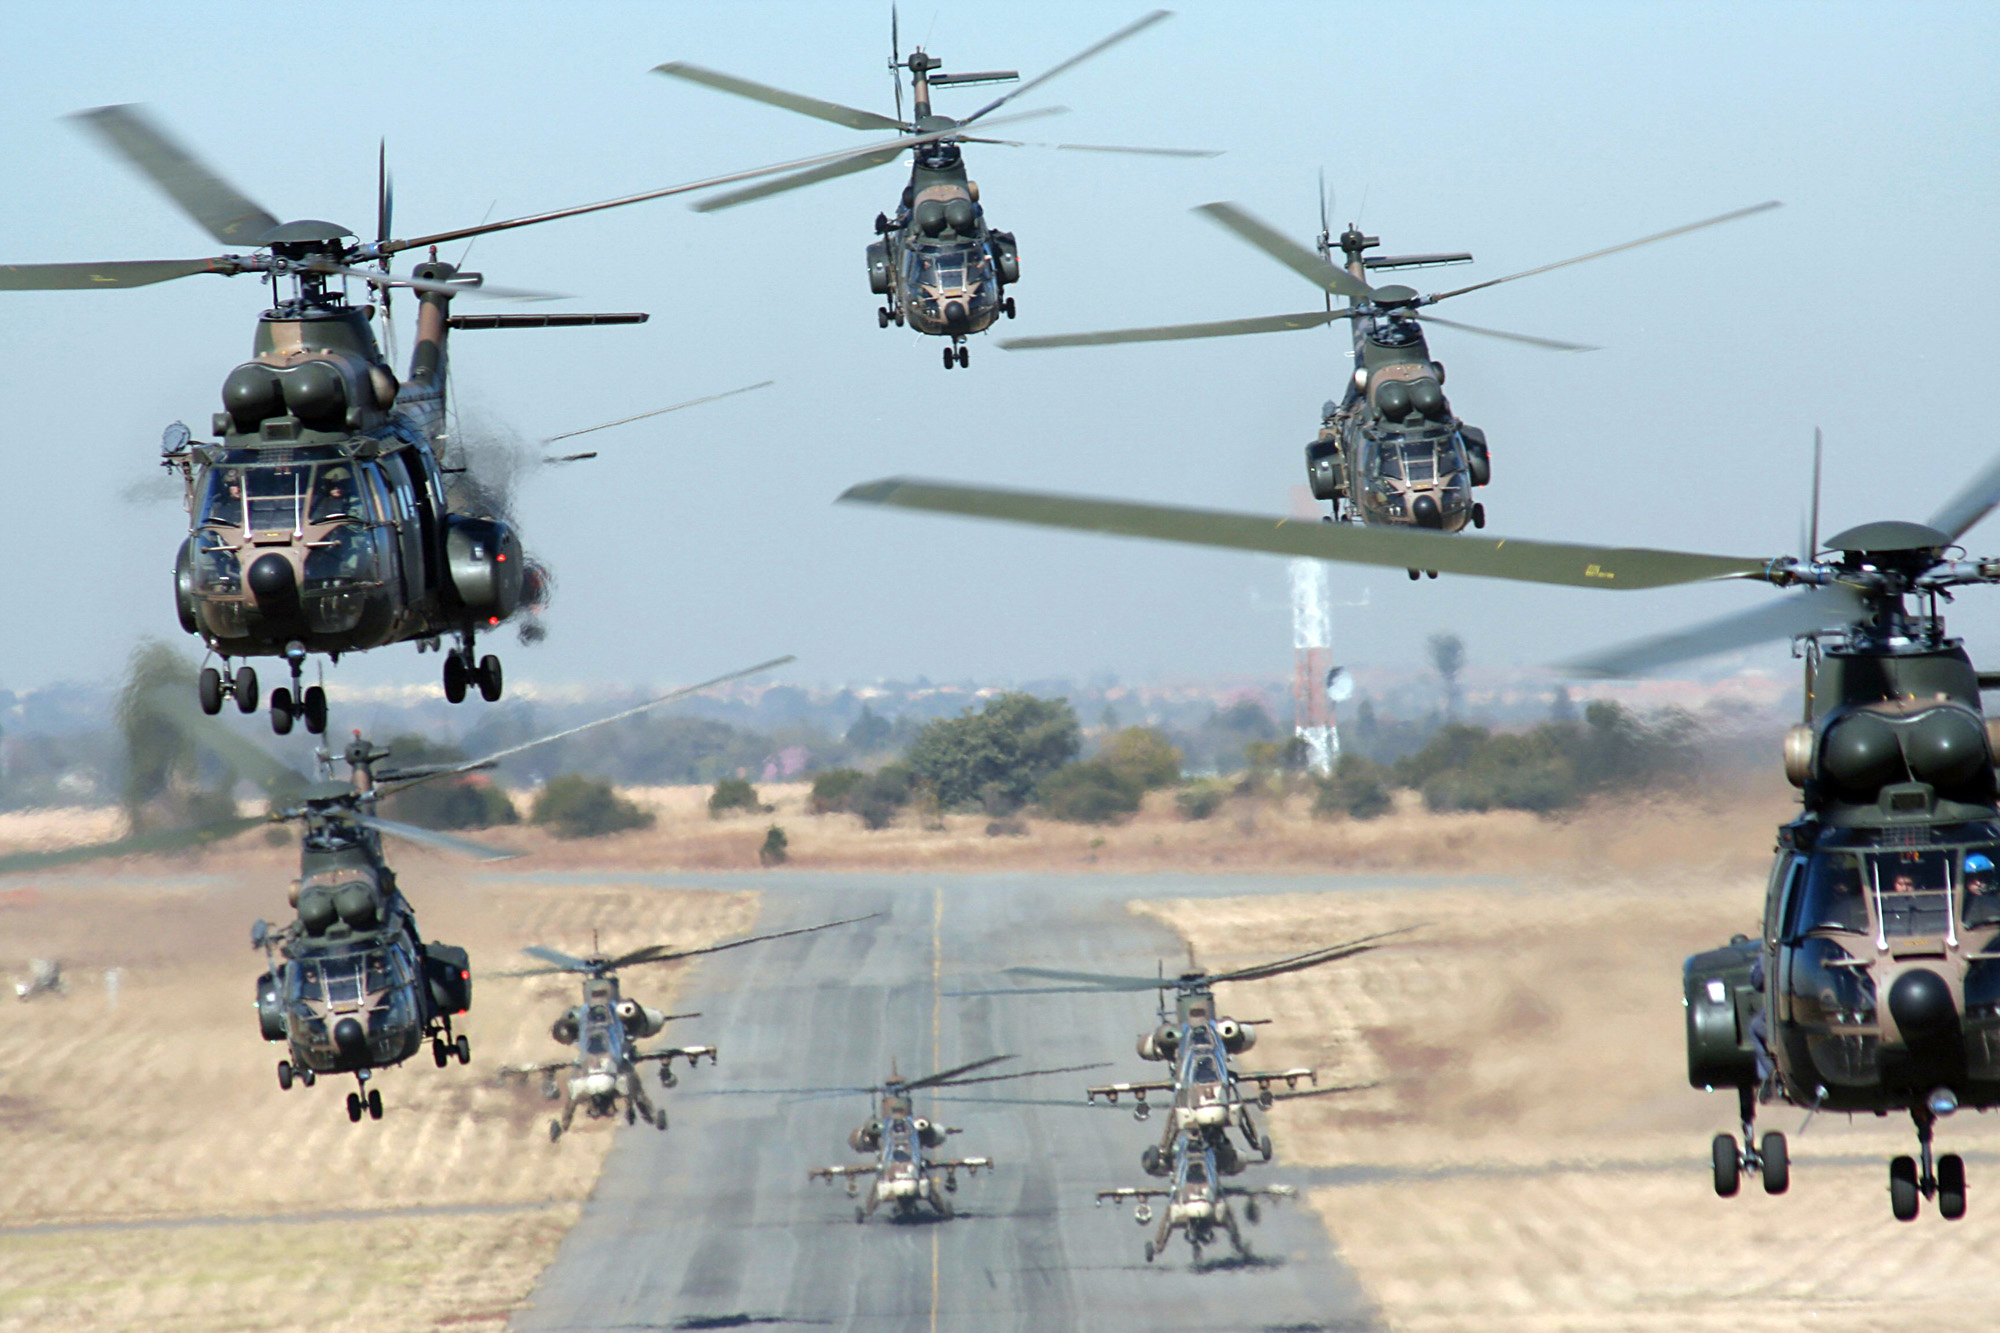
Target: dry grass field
<point x="155" y="1177"/>
<point x="1533" y="1157"/>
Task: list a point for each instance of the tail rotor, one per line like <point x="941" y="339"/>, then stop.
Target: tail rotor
<point x="896" y="59"/>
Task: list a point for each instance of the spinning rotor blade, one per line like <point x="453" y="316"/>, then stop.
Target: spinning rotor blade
<point x="1320" y="272"/>
<point x="1221" y="328"/>
<point x="878" y="158"/>
<point x="279" y="781"/>
<point x="896" y="58"/>
<point x="1974" y="501"/>
<point x="947" y="1075"/>
<point x="1025" y="1073"/>
<point x="1088" y="980"/>
<point x="139" y="844"/>
<point x="667" y="698"/>
<point x="1553" y="344"/>
<point x="386" y="280"/>
<point x="1129" y="30"/>
<point x="662" y="411"/>
<point x="1101" y="148"/>
<point x="1599" y="254"/>
<point x="1801" y="612"/>
<point x="662" y="953"/>
<point x="1331" y="953"/>
<point x="1461" y="553"/>
<point x="222" y="210"/>
<point x="851" y="117"/>
<point x="423" y="837"/>
<point x="563" y="962"/>
<point x="116" y="273"/>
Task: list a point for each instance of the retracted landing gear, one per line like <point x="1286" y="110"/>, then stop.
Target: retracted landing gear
<point x="462" y="673"/>
<point x="1913" y="1177"/>
<point x="1771" y="1160"/>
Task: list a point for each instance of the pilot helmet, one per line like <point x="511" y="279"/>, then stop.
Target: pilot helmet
<point x="1978" y="864"/>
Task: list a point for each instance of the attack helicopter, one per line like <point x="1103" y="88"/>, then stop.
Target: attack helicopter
<point x="358" y="988"/>
<point x="605" y="1027"/>
<point x="321" y="519"/>
<point x="1391" y="451"/>
<point x="1874" y="982"/>
<point x="943" y="269"/>
<point x="904" y="1176"/>
<point x="1208" y="1094"/>
<point x="1197" y="1202"/>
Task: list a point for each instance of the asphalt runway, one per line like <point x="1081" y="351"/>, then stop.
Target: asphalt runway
<point x="714" y="1225"/>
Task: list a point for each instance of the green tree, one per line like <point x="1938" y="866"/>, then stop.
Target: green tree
<point x="998" y="754"/>
<point x="1358" y="788"/>
<point x="878" y="797"/>
<point x="1448" y="660"/>
<point x="163" y="770"/>
<point x="832" y="788"/>
<point x="776" y="849"/>
<point x="467" y="802"/>
<point x="734" y="794"/>
<point x="574" y="806"/>
<point x="1091" y="792"/>
<point x="1143" y="755"/>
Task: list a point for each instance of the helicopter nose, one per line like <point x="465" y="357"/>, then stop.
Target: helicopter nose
<point x="1424" y="509"/>
<point x="349" y="1038"/>
<point x="955" y="317"/>
<point x="273" y="584"/>
<point x="1921" y="1004"/>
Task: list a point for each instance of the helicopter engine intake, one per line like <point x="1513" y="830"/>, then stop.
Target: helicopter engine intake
<point x="1236" y="1037"/>
<point x="564" y="1029"/>
<point x="638" y="1019"/>
<point x="486" y="566"/>
<point x="1159" y="1044"/>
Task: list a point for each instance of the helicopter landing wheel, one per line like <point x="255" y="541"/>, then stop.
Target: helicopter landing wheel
<point x="1776" y="1164"/>
<point x="1264" y="1147"/>
<point x="1007" y="307"/>
<point x="964" y="357"/>
<point x="860" y="1215"/>
<point x="307" y="1077"/>
<point x="487" y="676"/>
<point x="314" y="710"/>
<point x="660" y="1118"/>
<point x="354" y="1107"/>
<point x="1951" y="1187"/>
<point x="462" y="1048"/>
<point x="245" y="689"/>
<point x="1728" y="1165"/>
<point x="1431" y="573"/>
<point x="1479" y="516"/>
<point x="631" y="1114"/>
<point x="555" y="1130"/>
<point x="285" y="1075"/>
<point x="1414" y="575"/>
<point x="1903" y="1188"/>
<point x="882" y="318"/>
<point x="950" y="357"/>
<point x="1150" y="1251"/>
<point x="455" y="678"/>
<point x="282" y="712"/>
<point x="438" y="1053"/>
<point x="374" y="1103"/>
<point x="208" y="689"/>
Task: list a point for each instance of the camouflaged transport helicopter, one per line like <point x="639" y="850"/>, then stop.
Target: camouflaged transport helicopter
<point x="905" y="1176"/>
<point x="1198" y="1203"/>
<point x="606" y="1026"/>
<point x="1874" y="982"/>
<point x="944" y="271"/>
<point x="1391" y="451"/>
<point x="321" y="520"/>
<point x="1208" y="1094"/>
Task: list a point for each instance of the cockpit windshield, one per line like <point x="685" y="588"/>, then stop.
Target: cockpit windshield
<point x="598" y="1043"/>
<point x="335" y="495"/>
<point x="1197" y="1171"/>
<point x="1205" y="1070"/>
<point x="1421" y="462"/>
<point x="1833" y="897"/>
<point x="1914" y="889"/>
<point x="952" y="269"/>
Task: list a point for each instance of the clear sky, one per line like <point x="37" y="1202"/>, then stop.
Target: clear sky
<point x="1522" y="132"/>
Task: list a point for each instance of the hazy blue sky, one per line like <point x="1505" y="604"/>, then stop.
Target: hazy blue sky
<point x="1522" y="132"/>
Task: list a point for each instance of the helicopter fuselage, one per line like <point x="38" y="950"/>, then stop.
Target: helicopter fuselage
<point x="943" y="270"/>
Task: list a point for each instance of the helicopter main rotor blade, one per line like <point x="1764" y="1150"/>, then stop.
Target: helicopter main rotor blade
<point x="1101" y="148"/>
<point x="1221" y="328"/>
<point x="1320" y="272"/>
<point x="1405" y="548"/>
<point x="1553" y="344"/>
<point x="852" y="117"/>
<point x="564" y="962"/>
<point x="115" y="273"/>
<point x="662" y="953"/>
<point x="660" y="411"/>
<point x="1331" y="953"/>
<point x="1612" y="250"/>
<point x="880" y="157"/>
<point x="1801" y="612"/>
<point x="943" y="1075"/>
<point x="1093" y="980"/>
<point x="423" y="837"/>
<point x="1132" y="29"/>
<point x="384" y="279"/>
<point x="279" y="781"/>
<point x="670" y="696"/>
<point x="138" y="844"/>
<point x="1974" y="501"/>
<point x="1025" y="1073"/>
<point x="222" y="210"/>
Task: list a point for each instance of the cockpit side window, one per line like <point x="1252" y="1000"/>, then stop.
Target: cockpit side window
<point x="1980" y="875"/>
<point x="1835" y="896"/>
<point x="1914" y="890"/>
<point x="336" y="496"/>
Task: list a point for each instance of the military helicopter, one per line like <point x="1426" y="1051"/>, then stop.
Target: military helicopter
<point x="605" y="1026"/>
<point x="321" y="520"/>
<point x="904" y="1176"/>
<point x="944" y="270"/>
<point x="1391" y="451"/>
<point x="44" y="978"/>
<point x="1198" y="1203"/>
<point x="1208" y="1094"/>
<point x="1872" y="985"/>
<point x="359" y="989"/>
